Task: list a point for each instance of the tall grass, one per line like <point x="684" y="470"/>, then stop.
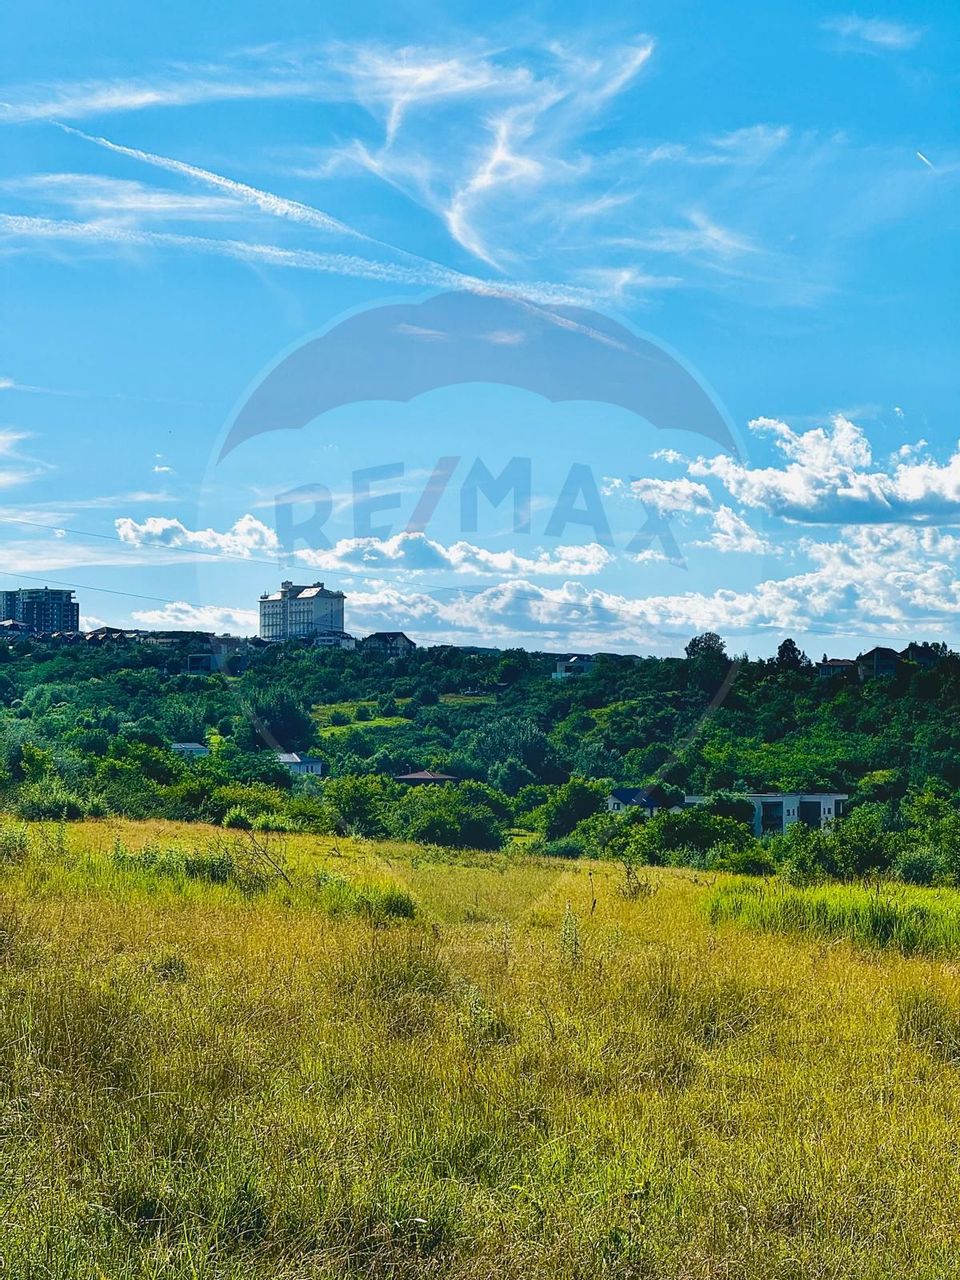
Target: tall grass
<point x="883" y="916"/>
<point x="515" y="1071"/>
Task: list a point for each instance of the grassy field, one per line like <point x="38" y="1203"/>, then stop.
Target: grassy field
<point x="212" y="1069"/>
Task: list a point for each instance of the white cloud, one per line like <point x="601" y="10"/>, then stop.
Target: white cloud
<point x="181" y="616"/>
<point x="702" y="237"/>
<point x="117" y="199"/>
<point x="182" y="87"/>
<point x="668" y="497"/>
<point x="748" y="147"/>
<point x="830" y="477"/>
<point x="247" y="537"/>
<point x="731" y="533"/>
<point x="98" y="233"/>
<point x="16" y="468"/>
<point x="892" y="582"/>
<point x="495" y="169"/>
<point x="266" y="201"/>
<point x="875" y="33"/>
<point x="272" y="255"/>
<point x="412" y="553"/>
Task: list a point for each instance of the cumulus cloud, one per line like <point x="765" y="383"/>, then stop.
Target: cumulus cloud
<point x="731" y="533"/>
<point x="411" y="552"/>
<point x="247" y="537"/>
<point x="873" y="581"/>
<point x="829" y="476"/>
<point x="667" y="497"/>
<point x="181" y="616"/>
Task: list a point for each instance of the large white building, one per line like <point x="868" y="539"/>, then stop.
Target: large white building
<point x="301" y="613"/>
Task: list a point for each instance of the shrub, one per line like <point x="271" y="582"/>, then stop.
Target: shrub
<point x="237" y="818"/>
<point x="375" y="902"/>
<point x="686" y="836"/>
<point x="49" y="799"/>
<point x="566" y="806"/>
<point x="442" y="816"/>
<point x="918" y="866"/>
<point x="14" y="842"/>
<point x="273" y="822"/>
<point x="564" y="847"/>
<point x="754" y="860"/>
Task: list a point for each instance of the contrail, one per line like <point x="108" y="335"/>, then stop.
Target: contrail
<point x="928" y="163"/>
<point x="422" y="272"/>
<point x="270" y="203"/>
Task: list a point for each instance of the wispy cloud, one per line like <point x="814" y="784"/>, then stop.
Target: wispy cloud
<point x="119" y="199"/>
<point x="539" y="101"/>
<point x="25" y="228"/>
<point x="874" y="33"/>
<point x="15" y="467"/>
<point x="187" y="87"/>
<point x="266" y="201"/>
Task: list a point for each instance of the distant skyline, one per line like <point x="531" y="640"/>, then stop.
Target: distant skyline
<point x="186" y="197"/>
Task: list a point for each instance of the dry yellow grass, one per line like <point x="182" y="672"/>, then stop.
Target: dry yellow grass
<point x="536" y="1076"/>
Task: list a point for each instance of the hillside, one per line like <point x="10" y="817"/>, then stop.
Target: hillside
<point x="493" y="717"/>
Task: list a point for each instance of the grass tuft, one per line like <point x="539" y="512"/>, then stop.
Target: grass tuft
<point x="881" y="917"/>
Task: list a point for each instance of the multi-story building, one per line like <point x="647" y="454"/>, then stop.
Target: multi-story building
<point x="41" y="608"/>
<point x="300" y="612"/>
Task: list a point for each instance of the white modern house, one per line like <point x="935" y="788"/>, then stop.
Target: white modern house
<point x="774" y="811"/>
<point x="190" y="750"/>
<point x="297" y="612"/>
<point x="577" y="664"/>
<point x="300" y="765"/>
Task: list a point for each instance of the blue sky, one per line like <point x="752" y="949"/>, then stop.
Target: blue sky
<point x="767" y="193"/>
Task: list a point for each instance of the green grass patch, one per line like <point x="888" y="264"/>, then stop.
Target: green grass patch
<point x="909" y="921"/>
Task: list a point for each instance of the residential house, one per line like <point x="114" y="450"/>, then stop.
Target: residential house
<point x="577" y="664"/>
<point x="774" y="812"/>
<point x="300" y="765"/>
<point x="648" y="799"/>
<point x="878" y="662"/>
<point x="827" y="668"/>
<point x="389" y="644"/>
<point x="335" y="640"/>
<point x="190" y="750"/>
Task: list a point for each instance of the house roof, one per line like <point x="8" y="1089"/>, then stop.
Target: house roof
<point x="388" y="635"/>
<point x="424" y="775"/>
<point x="837" y="662"/>
<point x="879" y="651"/>
<point x="635" y="795"/>
<point x="296" y="757"/>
